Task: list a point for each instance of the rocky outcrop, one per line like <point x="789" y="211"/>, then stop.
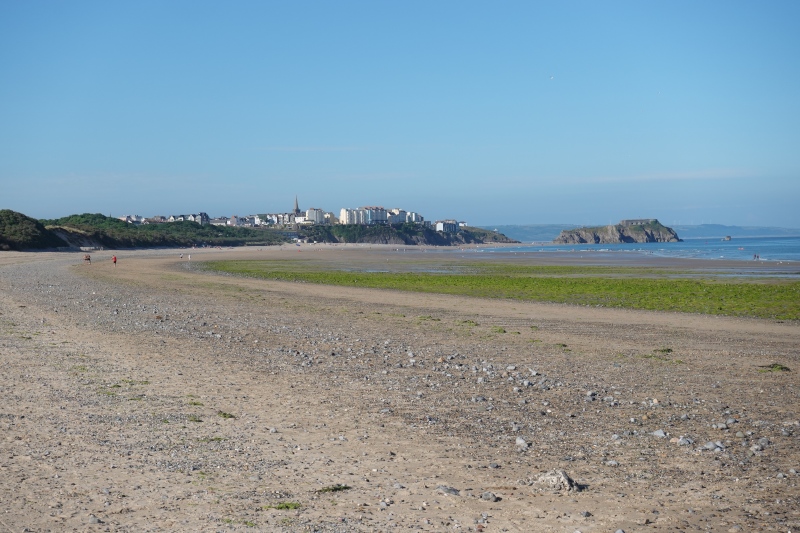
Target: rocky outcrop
<point x="626" y="231"/>
<point x="405" y="234"/>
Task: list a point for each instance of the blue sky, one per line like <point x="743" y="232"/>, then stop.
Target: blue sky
<point x="488" y="112"/>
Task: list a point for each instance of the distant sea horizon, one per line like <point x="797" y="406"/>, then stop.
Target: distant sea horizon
<point x="763" y="249"/>
<point x="540" y="233"/>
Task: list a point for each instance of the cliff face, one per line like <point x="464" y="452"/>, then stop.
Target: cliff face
<point x="652" y="231"/>
<point x="403" y="235"/>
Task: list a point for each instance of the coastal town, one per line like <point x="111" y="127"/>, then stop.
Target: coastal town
<point x="366" y="216"/>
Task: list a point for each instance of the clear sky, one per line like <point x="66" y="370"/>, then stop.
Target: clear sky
<point x="488" y="112"/>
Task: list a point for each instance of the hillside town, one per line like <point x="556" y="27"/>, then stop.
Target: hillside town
<point x="367" y="216"/>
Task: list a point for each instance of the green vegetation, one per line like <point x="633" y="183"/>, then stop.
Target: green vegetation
<point x="19" y="232"/>
<point x="114" y="233"/>
<point x="634" y="288"/>
<point x="335" y="488"/>
<point x="284" y="506"/>
<point x="651" y="231"/>
<point x="774" y="367"/>
<point x="404" y="234"/>
<point x="247" y="523"/>
<point x="225" y="415"/>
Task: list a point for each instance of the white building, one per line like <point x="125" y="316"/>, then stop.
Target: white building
<point x="447" y="226"/>
<point x="315" y="216"/>
<point x="251" y="220"/>
<point x="368" y="215"/>
<point x="280" y="219"/>
<point x="401" y="216"/>
<point x="285" y="219"/>
<point x="351" y="216"/>
<point x="201" y="218"/>
<point x="414" y="217"/>
<point x="396" y="216"/>
<point x="132" y="219"/>
<point x="378" y="215"/>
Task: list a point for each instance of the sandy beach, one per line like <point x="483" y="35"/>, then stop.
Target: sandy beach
<point x="153" y="396"/>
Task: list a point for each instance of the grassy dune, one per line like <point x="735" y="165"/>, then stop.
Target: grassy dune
<point x="633" y="288"/>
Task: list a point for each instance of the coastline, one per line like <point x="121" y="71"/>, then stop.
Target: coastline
<point x="377" y="253"/>
<point x="778" y="250"/>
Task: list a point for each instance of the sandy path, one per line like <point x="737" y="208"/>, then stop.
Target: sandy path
<point x="116" y="382"/>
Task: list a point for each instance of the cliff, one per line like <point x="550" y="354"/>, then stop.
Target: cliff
<point x="402" y="234"/>
<point x="626" y="231"/>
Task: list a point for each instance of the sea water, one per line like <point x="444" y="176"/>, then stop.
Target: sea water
<point x="772" y="249"/>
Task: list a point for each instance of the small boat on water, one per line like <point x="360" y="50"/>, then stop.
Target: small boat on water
<point x="727" y="238"/>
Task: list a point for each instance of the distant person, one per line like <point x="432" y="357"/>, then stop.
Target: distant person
<point x="87" y="259"/>
<point x="114" y="260"/>
<point x="181" y="256"/>
<point x="190" y="257"/>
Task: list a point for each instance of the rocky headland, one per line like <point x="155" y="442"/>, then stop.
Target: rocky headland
<point x="637" y="230"/>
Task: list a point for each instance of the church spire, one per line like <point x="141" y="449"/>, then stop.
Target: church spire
<point x="296" y="205"/>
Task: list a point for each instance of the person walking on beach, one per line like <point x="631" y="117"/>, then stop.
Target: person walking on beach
<point x="114" y="259"/>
